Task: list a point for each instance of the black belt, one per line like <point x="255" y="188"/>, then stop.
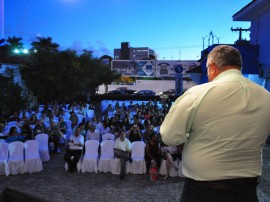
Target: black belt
<point x="226" y="184"/>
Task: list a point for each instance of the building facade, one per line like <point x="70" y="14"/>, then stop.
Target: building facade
<point x="258" y="13"/>
<point x="130" y="53"/>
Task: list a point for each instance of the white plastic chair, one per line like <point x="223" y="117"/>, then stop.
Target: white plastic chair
<point x="108" y="136"/>
<point x="163" y="166"/>
<point x="138" y="165"/>
<point x="90" y="158"/>
<point x="80" y="118"/>
<point x="116" y="166"/>
<point x="103" y="105"/>
<point x="32" y="162"/>
<point x="16" y="158"/>
<point x="163" y="169"/>
<point x="106" y="156"/>
<point x="4" y="168"/>
<point x="180" y="172"/>
<point x="89" y="114"/>
<point x="43" y="146"/>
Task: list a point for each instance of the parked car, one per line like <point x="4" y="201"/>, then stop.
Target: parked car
<point x="145" y="93"/>
<point x="165" y="94"/>
<point x="169" y="92"/>
<point x="116" y="92"/>
<point x="126" y="90"/>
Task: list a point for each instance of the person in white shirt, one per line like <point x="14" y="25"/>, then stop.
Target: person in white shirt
<point x="224" y="125"/>
<point x="75" y="146"/>
<point x="122" y="149"/>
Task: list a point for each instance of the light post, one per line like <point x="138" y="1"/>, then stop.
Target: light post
<point x="2" y="25"/>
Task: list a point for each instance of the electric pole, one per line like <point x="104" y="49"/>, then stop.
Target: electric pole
<point x="240" y="30"/>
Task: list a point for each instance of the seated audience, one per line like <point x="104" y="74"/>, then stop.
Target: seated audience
<point x="74" y="119"/>
<point x="26" y="130"/>
<point x="62" y="125"/>
<point x="14" y="136"/>
<point x="54" y="135"/>
<point x="149" y="131"/>
<point x="122" y="149"/>
<point x="75" y="146"/>
<point x="152" y="151"/>
<point x="92" y="135"/>
<point x="134" y="134"/>
<point x="39" y="127"/>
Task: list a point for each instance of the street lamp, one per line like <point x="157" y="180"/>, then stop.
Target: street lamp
<point x="19" y="51"/>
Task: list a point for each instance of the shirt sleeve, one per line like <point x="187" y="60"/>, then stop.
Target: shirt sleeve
<point x="116" y="144"/>
<point x="81" y="140"/>
<point x="177" y="123"/>
<point x="128" y="145"/>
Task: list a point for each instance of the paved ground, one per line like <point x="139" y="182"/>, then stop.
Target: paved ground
<point x="55" y="184"/>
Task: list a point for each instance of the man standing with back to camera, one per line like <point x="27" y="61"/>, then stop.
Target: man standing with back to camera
<point x="224" y="125"/>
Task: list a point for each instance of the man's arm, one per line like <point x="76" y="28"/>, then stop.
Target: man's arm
<point x="178" y="121"/>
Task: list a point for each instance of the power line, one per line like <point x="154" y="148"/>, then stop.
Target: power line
<point x="176" y="47"/>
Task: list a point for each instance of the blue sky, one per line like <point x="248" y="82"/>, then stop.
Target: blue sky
<point x="173" y="28"/>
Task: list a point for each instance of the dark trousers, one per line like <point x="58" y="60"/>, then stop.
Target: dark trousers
<point x="235" y="190"/>
<point x="55" y="140"/>
<point x="123" y="156"/>
<point x="72" y="164"/>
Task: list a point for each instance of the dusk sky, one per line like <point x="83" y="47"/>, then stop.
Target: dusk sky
<point x="173" y="28"/>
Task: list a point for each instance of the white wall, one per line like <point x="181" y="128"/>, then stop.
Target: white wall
<point x="155" y="85"/>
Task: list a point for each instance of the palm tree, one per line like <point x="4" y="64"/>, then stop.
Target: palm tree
<point x="45" y="44"/>
<point x="15" y="42"/>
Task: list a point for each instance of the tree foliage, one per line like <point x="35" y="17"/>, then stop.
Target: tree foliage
<point x="7" y="54"/>
<point x="10" y="96"/>
<point x="60" y="75"/>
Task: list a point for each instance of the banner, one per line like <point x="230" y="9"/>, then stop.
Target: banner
<point x="152" y="68"/>
<point x="134" y="68"/>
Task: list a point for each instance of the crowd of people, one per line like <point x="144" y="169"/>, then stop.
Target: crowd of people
<point x="68" y="122"/>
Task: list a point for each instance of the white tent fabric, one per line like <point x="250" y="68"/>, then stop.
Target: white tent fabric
<point x="43" y="146"/>
<point x="16" y="157"/>
<point x="90" y="159"/>
<point x="32" y="162"/>
<point x="106" y="156"/>
<point x="4" y="168"/>
<point x="138" y="165"/>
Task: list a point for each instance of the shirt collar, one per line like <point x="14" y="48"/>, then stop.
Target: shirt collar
<point x="228" y="73"/>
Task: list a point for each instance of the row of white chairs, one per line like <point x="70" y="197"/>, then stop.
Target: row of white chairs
<point x="18" y="157"/>
<point x="106" y="162"/>
<point x="91" y="162"/>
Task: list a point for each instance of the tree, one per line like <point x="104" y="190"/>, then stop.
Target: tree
<point x="10" y="96"/>
<point x="40" y="72"/>
<point x="7" y="51"/>
<point x="59" y="75"/>
<point x="44" y="44"/>
<point x="15" y="42"/>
